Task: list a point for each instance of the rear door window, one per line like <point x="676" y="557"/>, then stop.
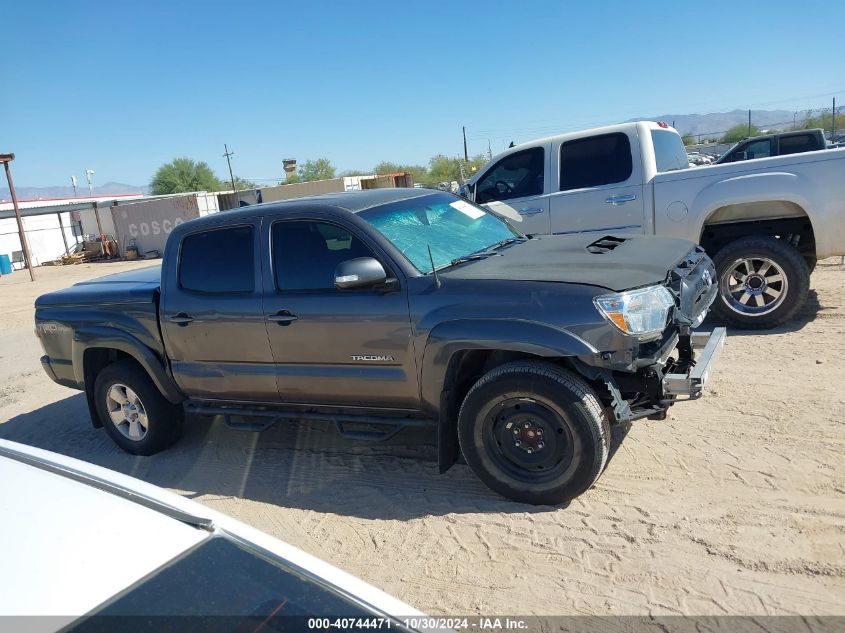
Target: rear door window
<point x="219" y="261"/>
<point x="797" y="143"/>
<point x="595" y="161"/>
<point x="518" y="175"/>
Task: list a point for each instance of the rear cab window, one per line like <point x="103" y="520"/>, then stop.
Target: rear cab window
<point x="218" y="261"/>
<point x="594" y="161"/>
<point x="669" y="151"/>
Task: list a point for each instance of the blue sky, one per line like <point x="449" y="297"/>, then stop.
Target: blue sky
<point x="123" y="87"/>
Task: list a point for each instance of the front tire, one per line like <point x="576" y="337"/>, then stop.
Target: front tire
<point x="133" y="412"/>
<point x="763" y="282"/>
<point x="534" y="432"/>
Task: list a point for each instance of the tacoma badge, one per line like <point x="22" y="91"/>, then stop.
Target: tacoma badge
<point x="372" y="358"/>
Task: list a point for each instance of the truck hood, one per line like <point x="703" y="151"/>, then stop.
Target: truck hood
<point x="132" y="286"/>
<point x="620" y="262"/>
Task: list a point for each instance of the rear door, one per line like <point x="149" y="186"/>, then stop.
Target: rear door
<point x="597" y="185"/>
<point x="334" y="347"/>
<point x="212" y="316"/>
<point x="516" y="187"/>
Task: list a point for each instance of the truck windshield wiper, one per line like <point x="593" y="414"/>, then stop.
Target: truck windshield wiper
<point x="505" y="242"/>
<point x="487" y="252"/>
<point x="472" y="257"/>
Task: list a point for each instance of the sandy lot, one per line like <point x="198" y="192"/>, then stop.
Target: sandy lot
<point x="733" y="505"/>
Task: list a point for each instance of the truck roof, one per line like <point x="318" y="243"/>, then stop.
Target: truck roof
<point x="352" y="201"/>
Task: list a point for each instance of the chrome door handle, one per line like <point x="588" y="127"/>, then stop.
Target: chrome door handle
<point x="531" y="211"/>
<point x="282" y="318"/>
<point x="181" y="319"/>
<point x="621" y="199"/>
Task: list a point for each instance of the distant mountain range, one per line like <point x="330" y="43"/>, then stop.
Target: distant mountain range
<point x="718" y="123"/>
<point x="39" y="193"/>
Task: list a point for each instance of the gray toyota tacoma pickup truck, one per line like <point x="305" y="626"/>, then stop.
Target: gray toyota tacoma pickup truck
<point x="391" y="308"/>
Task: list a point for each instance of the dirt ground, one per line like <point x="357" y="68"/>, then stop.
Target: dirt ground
<point x="733" y="505"/>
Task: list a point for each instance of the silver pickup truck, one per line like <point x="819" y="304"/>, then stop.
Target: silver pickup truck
<point x="765" y="222"/>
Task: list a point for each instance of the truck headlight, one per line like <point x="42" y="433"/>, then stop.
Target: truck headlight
<point x="637" y="312"/>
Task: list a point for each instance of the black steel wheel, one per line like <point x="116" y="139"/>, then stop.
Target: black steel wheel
<point x="534" y="432"/>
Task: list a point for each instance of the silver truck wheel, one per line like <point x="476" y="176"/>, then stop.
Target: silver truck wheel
<point x="754" y="286"/>
<point x="127" y="412"/>
<point x="763" y="282"/>
<point x="134" y="413"/>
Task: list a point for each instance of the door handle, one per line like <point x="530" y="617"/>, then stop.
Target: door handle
<point x="621" y="199"/>
<point x="181" y="319"/>
<point x="531" y="211"/>
<point x="282" y="317"/>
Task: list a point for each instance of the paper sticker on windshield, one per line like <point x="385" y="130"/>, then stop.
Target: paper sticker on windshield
<point x="467" y="209"/>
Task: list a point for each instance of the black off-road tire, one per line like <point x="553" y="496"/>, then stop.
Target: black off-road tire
<point x="783" y="256"/>
<point x="164" y="419"/>
<point x="547" y="398"/>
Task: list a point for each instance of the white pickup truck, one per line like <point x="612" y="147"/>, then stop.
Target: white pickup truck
<point x="764" y="222"/>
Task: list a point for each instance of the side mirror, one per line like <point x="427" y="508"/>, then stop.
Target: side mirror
<point x="359" y="273"/>
<point x="740" y="156"/>
<point x="469" y="192"/>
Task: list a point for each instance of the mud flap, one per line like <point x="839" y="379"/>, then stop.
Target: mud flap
<point x="448" y="449"/>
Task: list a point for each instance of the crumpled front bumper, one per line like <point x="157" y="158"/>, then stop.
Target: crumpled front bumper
<point x="690" y="385"/>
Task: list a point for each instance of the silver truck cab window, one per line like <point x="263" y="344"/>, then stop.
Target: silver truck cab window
<point x="669" y="151"/>
<point x="595" y="161"/>
<point x="518" y="175"/>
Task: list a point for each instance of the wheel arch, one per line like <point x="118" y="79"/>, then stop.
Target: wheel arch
<point x="96" y="347"/>
<point x="458" y="352"/>
<point x="768" y="204"/>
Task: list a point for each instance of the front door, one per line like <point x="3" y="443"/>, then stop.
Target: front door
<point x="597" y="185"/>
<point x="212" y="316"/>
<point x="330" y="346"/>
<point x="515" y="187"/>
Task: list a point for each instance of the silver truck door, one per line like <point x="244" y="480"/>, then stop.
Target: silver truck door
<point x="597" y="185"/>
<point x="517" y="187"/>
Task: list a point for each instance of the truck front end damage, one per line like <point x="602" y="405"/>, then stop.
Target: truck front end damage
<point x="661" y="359"/>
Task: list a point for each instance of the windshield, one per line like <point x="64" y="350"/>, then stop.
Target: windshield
<point x="452" y="227"/>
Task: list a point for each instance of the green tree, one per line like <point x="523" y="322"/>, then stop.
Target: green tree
<point x="688" y="139"/>
<point x="182" y="175"/>
<point x="825" y="122"/>
<point x="739" y="132"/>
<point x="319" y="169"/>
<point x="354" y="172"/>
<point x="241" y="184"/>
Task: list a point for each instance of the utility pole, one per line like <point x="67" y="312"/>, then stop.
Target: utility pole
<point x="466" y="154"/>
<point x="489" y="150"/>
<point x="228" y="156"/>
<point x="749" y="123"/>
<point x="6" y="159"/>
<point x="73" y="183"/>
<point x="794" y="116"/>
<point x="833" y="120"/>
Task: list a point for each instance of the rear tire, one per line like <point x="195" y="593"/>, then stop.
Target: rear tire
<point x="763" y="282"/>
<point x="534" y="432"/>
<point x="134" y="413"/>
